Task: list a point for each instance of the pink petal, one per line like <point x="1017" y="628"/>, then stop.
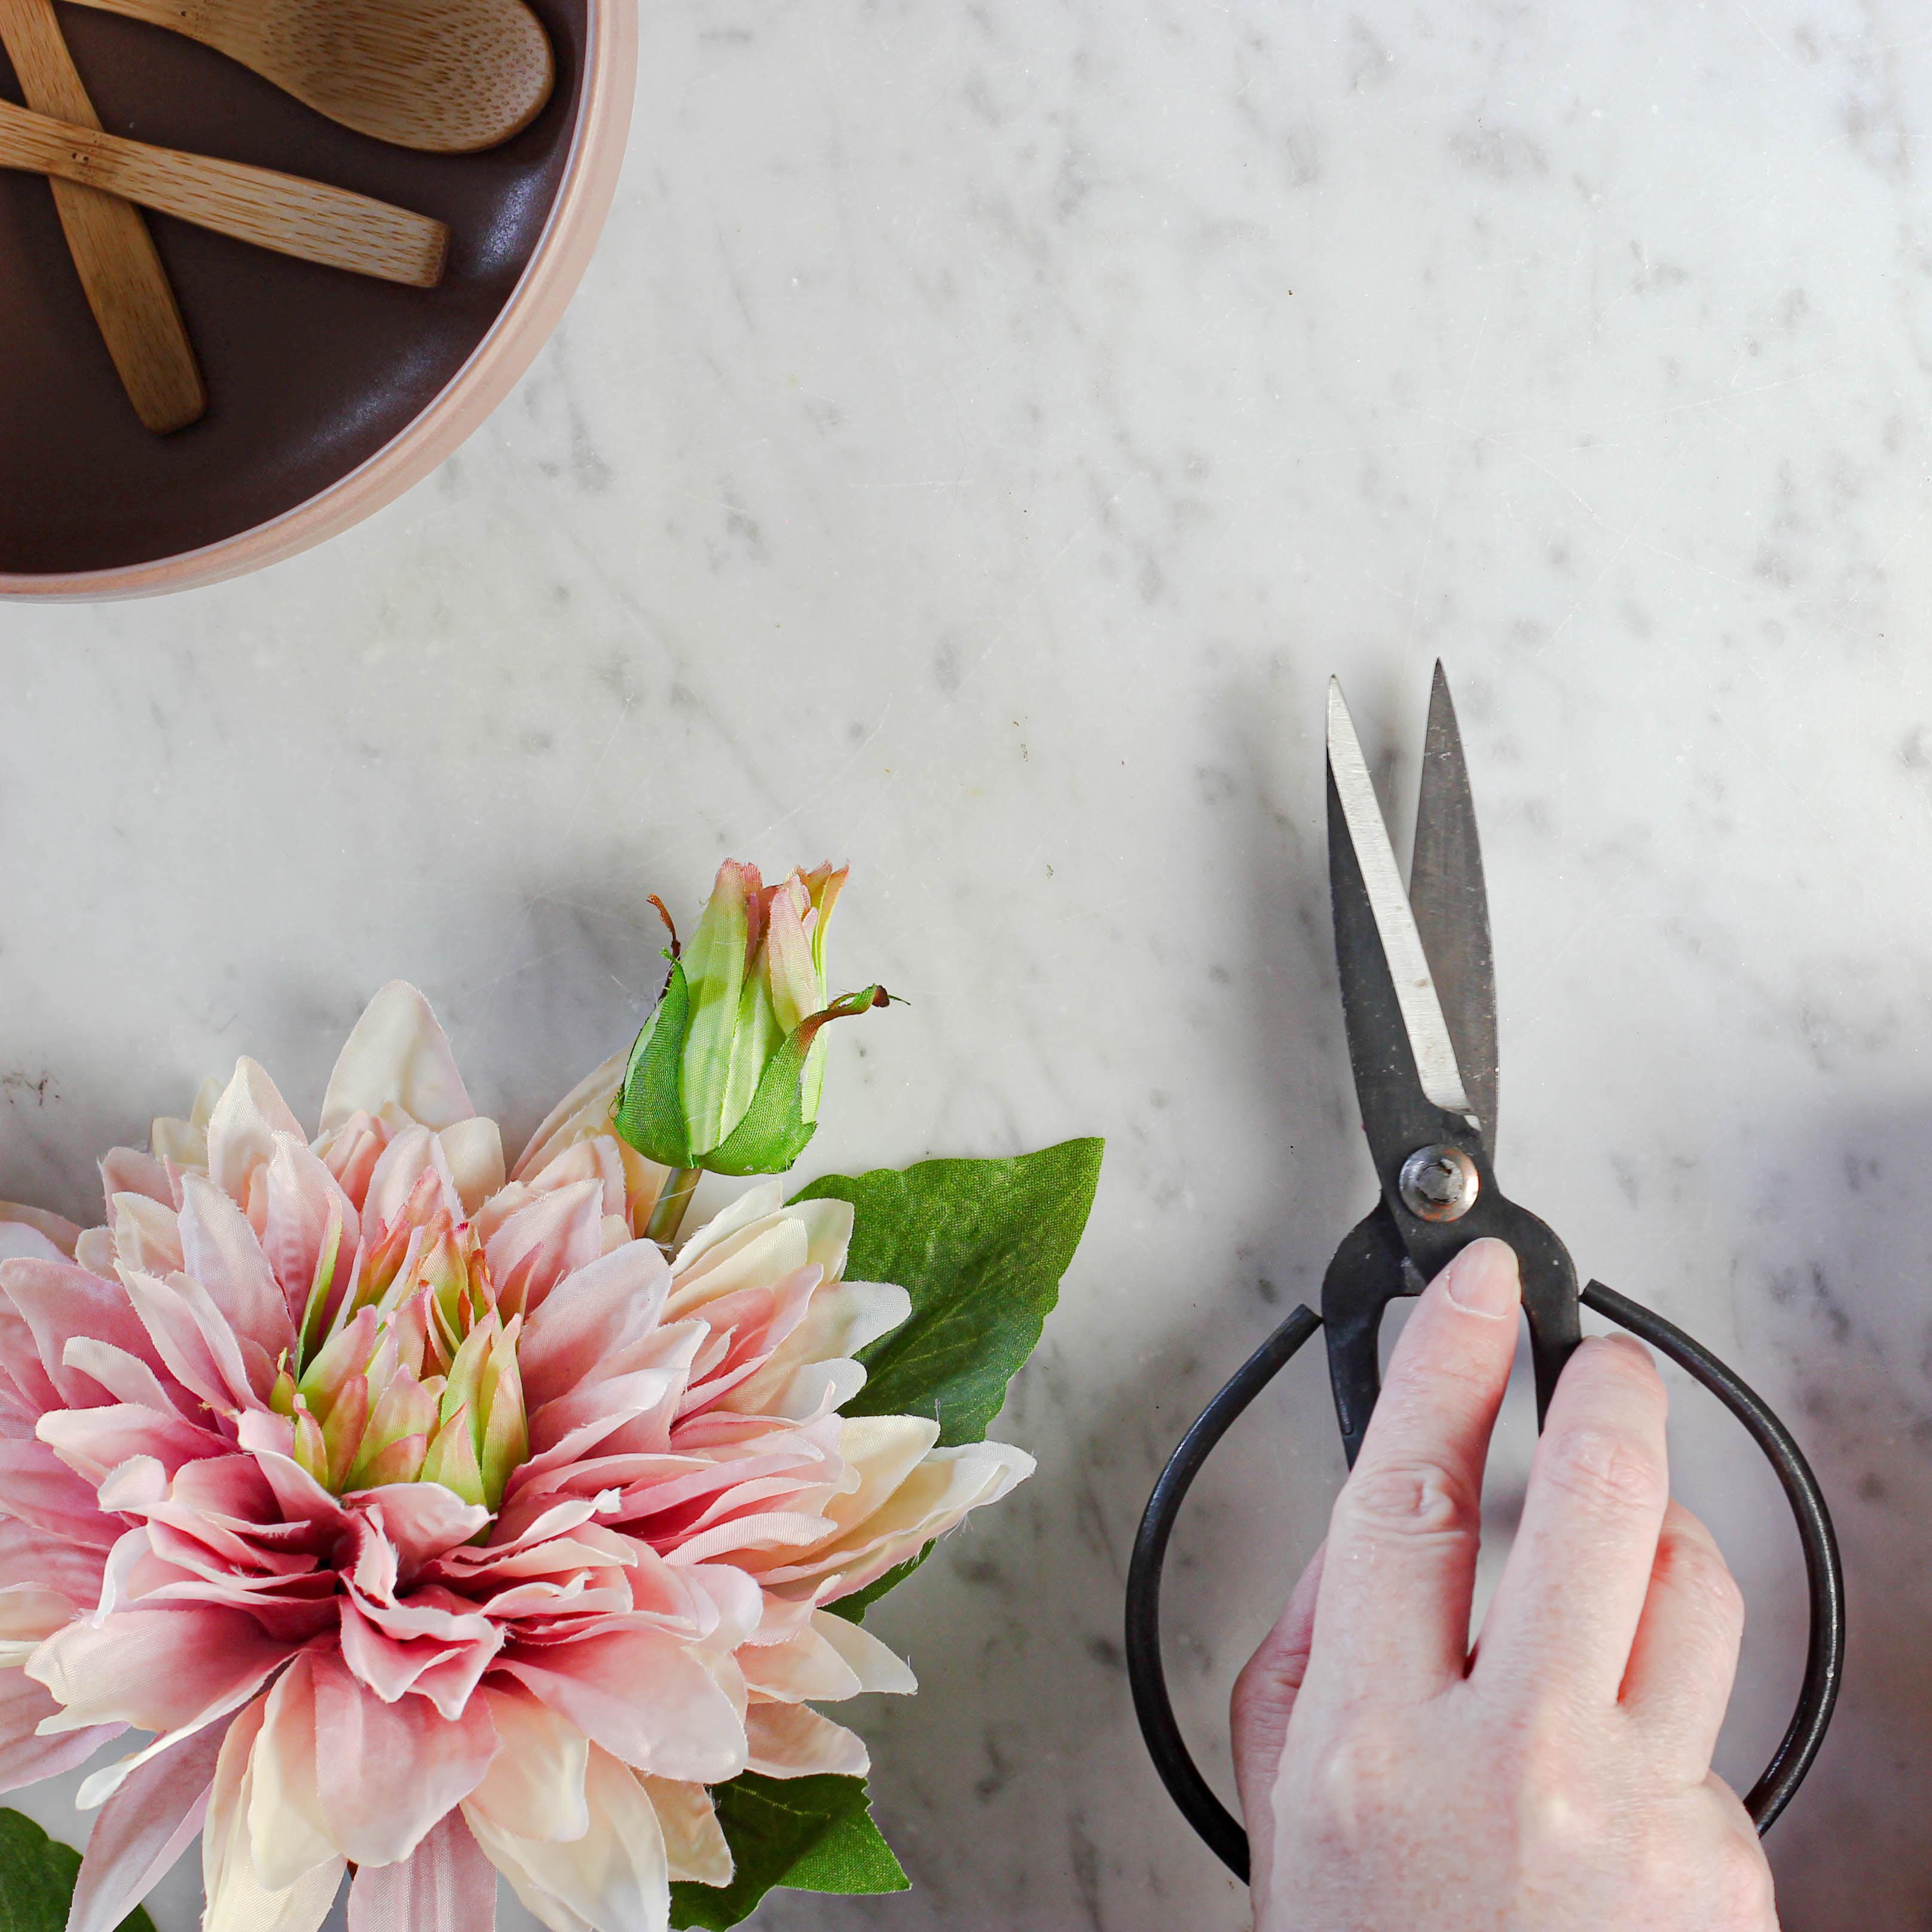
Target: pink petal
<point x="28" y="1554"/>
<point x="123" y="1377"/>
<point x="192" y="1341"/>
<point x="603" y="1308"/>
<point x="60" y="1301"/>
<point x="303" y="1199"/>
<point x="793" y="1741"/>
<point x="23" y="1376"/>
<point x="26" y="1758"/>
<point x="142" y="1830"/>
<point x="396" y="1056"/>
<point x="423" y="1520"/>
<point x="125" y="1171"/>
<point x="161" y="1670"/>
<point x="537" y="1246"/>
<point x="93" y="1441"/>
<point x="241" y="1129"/>
<point x="408" y="1157"/>
<point x="18" y="1241"/>
<point x="220" y="1250"/>
<point x="60" y="1233"/>
<point x="446" y="1885"/>
<point x="641" y="1695"/>
<point x="37" y="1486"/>
<point x="393" y="1662"/>
<point x="394" y="1769"/>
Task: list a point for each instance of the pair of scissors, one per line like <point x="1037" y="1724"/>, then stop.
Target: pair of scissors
<point x="1418" y="997"/>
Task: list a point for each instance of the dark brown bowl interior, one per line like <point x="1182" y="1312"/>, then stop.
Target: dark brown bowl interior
<point x="309" y="371"/>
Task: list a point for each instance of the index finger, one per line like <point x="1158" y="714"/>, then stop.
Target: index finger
<point x="1393" y="1617"/>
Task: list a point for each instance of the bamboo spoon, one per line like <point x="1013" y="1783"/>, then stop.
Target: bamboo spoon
<point x="126" y="285"/>
<point x="293" y="216"/>
<point x="450" y="75"/>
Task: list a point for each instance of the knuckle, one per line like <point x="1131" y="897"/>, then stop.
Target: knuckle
<point x="1354" y="1775"/>
<point x="1605" y="1470"/>
<point x="1694" y="1567"/>
<point x="1408" y="1498"/>
<point x="1744" y="1884"/>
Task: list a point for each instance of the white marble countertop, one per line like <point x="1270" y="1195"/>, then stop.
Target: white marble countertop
<point x="983" y="431"/>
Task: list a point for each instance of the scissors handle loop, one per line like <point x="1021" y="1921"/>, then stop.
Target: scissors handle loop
<point x="1825" y="1656"/>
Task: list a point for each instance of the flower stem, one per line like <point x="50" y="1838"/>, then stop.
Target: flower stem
<point x="668" y="1216"/>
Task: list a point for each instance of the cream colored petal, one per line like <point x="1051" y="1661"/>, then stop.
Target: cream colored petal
<point x="877" y="1667"/>
<point x="95" y="1252"/>
<point x="882" y="1450"/>
<point x="474" y="1150"/>
<point x="756" y="1204"/>
<point x="242" y="1131"/>
<point x="775" y="1248"/>
<point x="694" y="1845"/>
<point x="804" y="1666"/>
<point x="930" y="1500"/>
<point x="397" y="1060"/>
<point x="534" y="1787"/>
<point x="584" y="1111"/>
<point x="147" y="1235"/>
<point x="288" y="1835"/>
<point x="615" y="1878"/>
<point x="180" y="1143"/>
<point x="811" y="1370"/>
<point x="237" y="1901"/>
<point x="793" y="1741"/>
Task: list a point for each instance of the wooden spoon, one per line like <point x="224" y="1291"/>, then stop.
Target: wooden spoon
<point x="293" y="216"/>
<point x="450" y="76"/>
<point x="125" y="284"/>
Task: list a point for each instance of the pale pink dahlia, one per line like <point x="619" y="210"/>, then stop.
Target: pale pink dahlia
<point x="428" y="1520"/>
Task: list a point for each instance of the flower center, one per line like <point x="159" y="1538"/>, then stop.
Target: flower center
<point x="408" y="1373"/>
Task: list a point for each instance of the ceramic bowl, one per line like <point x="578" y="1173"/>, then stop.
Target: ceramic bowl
<point x="329" y="394"/>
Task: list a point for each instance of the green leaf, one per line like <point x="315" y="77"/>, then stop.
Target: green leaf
<point x="812" y="1834"/>
<point x="980" y="1245"/>
<point x="650" y="1105"/>
<point x="37" y="1875"/>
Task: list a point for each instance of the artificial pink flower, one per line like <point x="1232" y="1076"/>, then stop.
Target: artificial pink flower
<point x="428" y="1520"/>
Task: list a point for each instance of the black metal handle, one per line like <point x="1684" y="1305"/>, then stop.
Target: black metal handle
<point x="1824" y="1576"/>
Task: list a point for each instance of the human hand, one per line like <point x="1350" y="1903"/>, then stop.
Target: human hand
<point x="1559" y="1779"/>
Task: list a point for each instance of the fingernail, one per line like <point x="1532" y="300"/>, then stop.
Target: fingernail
<point x="1482" y="1279"/>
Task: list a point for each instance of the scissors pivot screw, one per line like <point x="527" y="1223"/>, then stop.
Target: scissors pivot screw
<point x="1439" y="1183"/>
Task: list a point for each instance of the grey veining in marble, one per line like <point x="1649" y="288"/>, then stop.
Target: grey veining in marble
<point x="983" y="431"/>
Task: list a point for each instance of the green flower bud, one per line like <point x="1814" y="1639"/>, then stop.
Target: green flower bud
<point x="726" y="1073"/>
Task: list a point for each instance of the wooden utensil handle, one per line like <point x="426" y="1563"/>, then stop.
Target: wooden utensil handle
<point x="120" y="271"/>
<point x="306" y="219"/>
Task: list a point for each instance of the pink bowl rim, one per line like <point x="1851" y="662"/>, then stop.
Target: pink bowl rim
<point x="524" y="324"/>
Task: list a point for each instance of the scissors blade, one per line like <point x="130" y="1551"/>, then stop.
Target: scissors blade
<point x="1374" y="873"/>
<point x="1451" y="908"/>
